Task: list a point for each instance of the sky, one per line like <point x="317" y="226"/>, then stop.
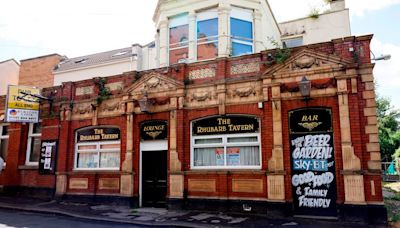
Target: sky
<point x="80" y="27"/>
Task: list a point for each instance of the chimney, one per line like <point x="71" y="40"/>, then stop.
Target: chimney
<point x="337" y="5"/>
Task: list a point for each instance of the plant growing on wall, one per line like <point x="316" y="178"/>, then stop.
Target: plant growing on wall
<point x="314" y="13"/>
<point x="104" y="92"/>
<point x="282" y="53"/>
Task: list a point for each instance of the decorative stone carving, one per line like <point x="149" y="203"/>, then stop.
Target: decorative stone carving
<point x="201" y="96"/>
<point x="82" y="109"/>
<point x="244" y="92"/>
<point x="87" y="90"/>
<point x="110" y="107"/>
<point x="202" y="73"/>
<point x="305" y="62"/>
<point x="245" y="68"/>
<point x="152" y="83"/>
<point x="115" y="86"/>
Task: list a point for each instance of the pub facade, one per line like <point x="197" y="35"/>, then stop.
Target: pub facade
<point x="242" y="134"/>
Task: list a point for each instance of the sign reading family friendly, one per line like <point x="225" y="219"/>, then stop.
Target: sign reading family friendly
<point x="313" y="163"/>
<point x="225" y="125"/>
<point x="98" y="134"/>
<point x="22" y="104"/>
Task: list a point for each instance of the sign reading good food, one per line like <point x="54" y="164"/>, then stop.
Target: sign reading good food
<point x="225" y="125"/>
<point x="98" y="134"/>
<point x="154" y="130"/>
<point x="48" y="157"/>
<point x="22" y="104"/>
<point x="313" y="162"/>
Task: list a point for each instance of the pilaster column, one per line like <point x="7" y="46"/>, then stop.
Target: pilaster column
<point x="258" y="39"/>
<point x="176" y="178"/>
<point x="276" y="183"/>
<point x="163" y="27"/>
<point x="353" y="181"/>
<point x="192" y="37"/>
<point x="224" y="47"/>
<point x="127" y="176"/>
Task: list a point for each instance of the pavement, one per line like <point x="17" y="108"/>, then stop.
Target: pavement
<point x="156" y="217"/>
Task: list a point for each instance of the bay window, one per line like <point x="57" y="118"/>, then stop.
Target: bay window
<point x="34" y="144"/>
<point x="233" y="144"/>
<point x="3" y="141"/>
<point x="241" y="24"/>
<point x="178" y="39"/>
<point x="97" y="148"/>
<point x="207" y="35"/>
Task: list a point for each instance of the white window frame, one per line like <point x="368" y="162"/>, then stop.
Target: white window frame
<point x="98" y="145"/>
<point x="224" y="145"/>
<point x="293" y="38"/>
<point x="204" y="16"/>
<point x="31" y="136"/>
<point x="4" y="137"/>
<point x="244" y="15"/>
<point x="175" y="21"/>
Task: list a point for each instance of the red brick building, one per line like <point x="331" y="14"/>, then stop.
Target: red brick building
<point x="238" y="134"/>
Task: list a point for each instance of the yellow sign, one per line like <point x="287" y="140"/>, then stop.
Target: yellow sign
<point x="19" y="97"/>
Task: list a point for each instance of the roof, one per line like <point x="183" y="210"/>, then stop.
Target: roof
<point x="94" y="59"/>
<point x="43" y="56"/>
<point x="8" y="60"/>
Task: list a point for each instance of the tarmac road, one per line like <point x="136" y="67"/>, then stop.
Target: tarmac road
<point x="18" y="219"/>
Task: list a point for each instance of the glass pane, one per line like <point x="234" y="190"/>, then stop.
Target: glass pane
<point x="5" y="130"/>
<point x="37" y="128"/>
<point x="87" y="160"/>
<point x="109" y="160"/>
<point x="207" y="51"/>
<point x="296" y="42"/>
<point x="178" y="55"/>
<point x="3" y="148"/>
<point x="87" y="147"/>
<point x="110" y="146"/>
<point x="207" y="28"/>
<point x="242" y="139"/>
<point x="241" y="29"/>
<point x="207" y="141"/>
<point x="179" y="35"/>
<point x="208" y="157"/>
<point x="35" y="150"/>
<point x="243" y="156"/>
<point x="241" y="49"/>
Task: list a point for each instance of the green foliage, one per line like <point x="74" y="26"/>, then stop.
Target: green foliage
<point x="389" y="127"/>
<point x="314" y="13"/>
<point x="282" y="53"/>
<point x="104" y="92"/>
<point x="396" y="155"/>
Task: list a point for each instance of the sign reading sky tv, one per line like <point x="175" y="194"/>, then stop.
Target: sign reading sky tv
<point x="21" y="106"/>
<point x="313" y="162"/>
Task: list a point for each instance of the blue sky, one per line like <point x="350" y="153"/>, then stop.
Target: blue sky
<point x="77" y="27"/>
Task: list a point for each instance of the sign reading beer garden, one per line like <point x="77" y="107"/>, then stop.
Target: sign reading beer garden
<point x="22" y="104"/>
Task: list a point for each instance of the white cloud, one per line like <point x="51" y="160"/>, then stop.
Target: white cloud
<point x="387" y="73"/>
<point x="359" y="7"/>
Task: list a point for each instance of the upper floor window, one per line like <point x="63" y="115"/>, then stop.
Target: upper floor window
<point x="34" y="144"/>
<point x="97" y="148"/>
<point x="3" y="141"/>
<point x="293" y="42"/>
<point x="207" y="35"/>
<point x="178" y="39"/>
<point x="241" y="31"/>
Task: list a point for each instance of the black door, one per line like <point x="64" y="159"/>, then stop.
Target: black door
<point x="154" y="178"/>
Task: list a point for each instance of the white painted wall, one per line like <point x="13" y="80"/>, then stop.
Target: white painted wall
<point x="102" y="70"/>
<point x="328" y="26"/>
<point x="9" y="73"/>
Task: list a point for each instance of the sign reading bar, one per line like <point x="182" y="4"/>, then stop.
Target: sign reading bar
<point x="21" y="106"/>
<point x="313" y="162"/>
<point x="48" y="157"/>
<point x="98" y="134"/>
<point x="154" y="130"/>
<point x="225" y="125"/>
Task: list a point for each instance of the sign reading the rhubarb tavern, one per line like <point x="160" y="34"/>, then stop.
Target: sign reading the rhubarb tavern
<point x="98" y="134"/>
<point x="225" y="125"/>
<point x="313" y="162"/>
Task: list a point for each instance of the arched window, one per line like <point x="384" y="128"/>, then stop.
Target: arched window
<point x="97" y="148"/>
<point x="222" y="142"/>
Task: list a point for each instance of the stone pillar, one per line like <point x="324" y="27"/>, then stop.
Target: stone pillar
<point x="224" y="46"/>
<point x="258" y="39"/>
<point x="176" y="178"/>
<point x="353" y="181"/>
<point x="221" y="91"/>
<point x="163" y="27"/>
<point x="127" y="169"/>
<point x="276" y="183"/>
<point x="192" y="37"/>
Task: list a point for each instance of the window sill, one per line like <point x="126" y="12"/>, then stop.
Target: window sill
<point x="28" y="167"/>
<point x="225" y="171"/>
